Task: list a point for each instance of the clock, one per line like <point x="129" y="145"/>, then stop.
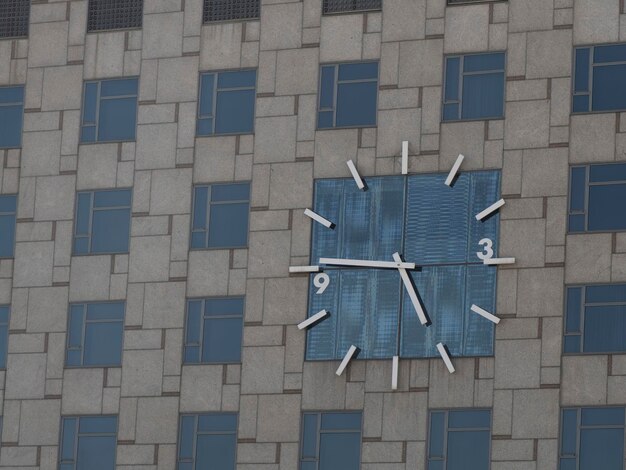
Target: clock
<point x="403" y="266"/>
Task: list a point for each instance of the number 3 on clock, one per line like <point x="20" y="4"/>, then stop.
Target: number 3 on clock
<point x="487" y="245"/>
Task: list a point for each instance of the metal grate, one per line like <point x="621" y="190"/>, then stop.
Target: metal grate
<point x="14" y="18"/>
<point x="114" y="14"/>
<point x="339" y="6"/>
<point x="224" y="10"/>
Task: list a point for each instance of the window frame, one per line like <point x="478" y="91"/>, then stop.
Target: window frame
<point x="347" y="12"/>
<point x="336" y="65"/>
<point x="85" y="305"/>
<point x="22" y="103"/>
<point x="587" y="167"/>
<point x="179" y="439"/>
<point x="78" y="417"/>
<point x="2" y="38"/>
<point x="15" y="231"/>
<point x="446" y="430"/>
<point x="208" y="213"/>
<point x="573" y="93"/>
<point x="74" y="226"/>
<point x="105" y="30"/>
<point x="200" y="345"/>
<point x="98" y="99"/>
<point x="216" y="74"/>
<point x="231" y="20"/>
<point x="462" y="56"/>
<point x="318" y="433"/>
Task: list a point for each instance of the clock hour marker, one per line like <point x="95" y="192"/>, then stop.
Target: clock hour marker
<point x="405" y="157"/>
<point x="318" y="218"/>
<point x="304" y="269"/>
<point x="355" y="174"/>
<point x="455" y="169"/>
<point x="492" y="208"/>
<point x="446" y="358"/>
<point x="314" y="319"/>
<point x="411" y="291"/>
<point x="346" y="359"/>
<point x="499" y="261"/>
<point x="394" y="373"/>
<point x="485" y="313"/>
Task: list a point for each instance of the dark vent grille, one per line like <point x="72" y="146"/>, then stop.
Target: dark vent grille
<point x="114" y="14"/>
<point x="338" y="6"/>
<point x="14" y="18"/>
<point x="224" y="10"/>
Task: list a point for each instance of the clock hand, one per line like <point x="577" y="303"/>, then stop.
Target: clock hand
<point x="398" y="264"/>
<point x="411" y="291"/>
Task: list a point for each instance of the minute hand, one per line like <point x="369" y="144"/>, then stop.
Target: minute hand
<point x="367" y="263"/>
<point x="411" y="291"/>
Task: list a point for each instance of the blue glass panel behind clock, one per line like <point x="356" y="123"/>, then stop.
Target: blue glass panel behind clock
<point x="432" y="225"/>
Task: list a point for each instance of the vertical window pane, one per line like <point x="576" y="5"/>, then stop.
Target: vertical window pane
<point x="569" y="432"/>
<point x="578" y="184"/>
<point x="103" y="343"/>
<point x="200" y="207"/>
<point x="111" y="231"/>
<point x="605" y="328"/>
<point x="11" y="125"/>
<point x="216" y="451"/>
<point x="7" y="235"/>
<point x="207" y="81"/>
<point x="187" y="431"/>
<point x="340" y="451"/>
<point x="605" y="207"/>
<point x="483" y="96"/>
<point x="90" y="101"/>
<point x="574" y="309"/>
<point x="222" y="340"/>
<point x="453" y="71"/>
<point x="117" y="119"/>
<point x="96" y="453"/>
<point x="228" y="225"/>
<point x="4" y="339"/>
<point x="327" y="87"/>
<point x="608" y="87"/>
<point x="437" y="435"/>
<point x="67" y="438"/>
<point x="601" y="448"/>
<point x="581" y="74"/>
<point x="468" y="446"/>
<point x="309" y="436"/>
<point x="235" y="112"/>
<point x="356" y="104"/>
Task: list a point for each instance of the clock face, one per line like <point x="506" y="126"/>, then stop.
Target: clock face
<point x="403" y="266"/>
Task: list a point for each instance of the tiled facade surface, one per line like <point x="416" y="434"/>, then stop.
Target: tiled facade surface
<point x="526" y="381"/>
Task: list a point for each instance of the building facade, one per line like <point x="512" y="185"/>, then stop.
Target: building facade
<point x="157" y="263"/>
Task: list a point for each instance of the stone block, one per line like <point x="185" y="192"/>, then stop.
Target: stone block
<point x="346" y="30"/>
<point x="162" y="35"/>
<point x="530" y="15"/>
<point x="548" y="53"/>
<point x="400" y="425"/>
<point x="18" y="457"/>
<point x="451" y="390"/>
<point x="170" y="191"/>
<point x="142" y="373"/>
<point x="41" y="153"/>
<point x="54" y="199"/>
<point x="156" y="146"/>
<point x="545" y="172"/>
<point x="62" y="87"/>
<point x="39" y="422"/>
<point x="82" y="391"/>
<point x="588" y="258"/>
<point x="321" y="388"/>
<point x="468" y="27"/>
<point x="297" y="71"/>
<point x="395" y="126"/>
<point x="404" y="20"/>
<point x="105" y="55"/>
<point x="33" y="264"/>
<point x="524" y="240"/>
<point x="97" y="166"/>
<point x="47" y="44"/>
<point x="518" y="363"/>
<point x="149" y="259"/>
<point x="281" y="26"/>
<point x="275" y="139"/>
<point x="413" y="57"/>
<point x="262" y="370"/>
<point x="596" y="22"/>
<point x="47" y="309"/>
<point x="467" y="138"/>
<point x="177" y="80"/>
<point x="225" y="46"/>
<point x="285" y="301"/>
<point x="527" y="124"/>
<point x="269" y="254"/>
<point x="540" y="292"/>
<point x="208" y="282"/>
<point x="278" y="418"/>
<point x="333" y="148"/>
<point x="90" y="277"/>
<point x="201" y="388"/>
<point x="157" y="420"/>
<point x="291" y="185"/>
<point x="584" y="380"/>
<point x="164" y="305"/>
<point x="592" y="138"/>
<point x="535" y="414"/>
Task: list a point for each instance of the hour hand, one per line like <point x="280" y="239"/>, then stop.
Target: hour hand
<point x="411" y="290"/>
<point x="364" y="263"/>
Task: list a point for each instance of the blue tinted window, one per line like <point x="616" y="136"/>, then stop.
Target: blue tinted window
<point x="599" y="74"/>
<point x="207" y="441"/>
<point x="102" y="221"/>
<point x="348" y="95"/>
<point x="95" y="332"/>
<point x="331" y="441"/>
<point x="220" y="216"/>
<point x="596" y="196"/>
<point x="8" y="212"/>
<point x="459" y="439"/>
<point x="213" y="330"/>
<point x="369" y="308"/>
<point x="474" y="87"/>
<point x="109" y="110"/>
<point x="4" y="334"/>
<point x="88" y="443"/>
<point x="592" y="438"/>
<point x="227" y="101"/>
<point x="11" y="116"/>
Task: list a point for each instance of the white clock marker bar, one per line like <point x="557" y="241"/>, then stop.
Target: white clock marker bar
<point x="484" y="313"/>
<point x="455" y="169"/>
<point x="405" y="157"/>
<point x="492" y="208"/>
<point x="355" y="174"/>
<point x="304" y="269"/>
<point x="346" y="359"/>
<point x="409" y="288"/>
<point x="318" y="218"/>
<point x="394" y="373"/>
<point x="314" y="319"/>
<point x="366" y="263"/>
<point x="444" y="355"/>
<point x="492" y="261"/>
